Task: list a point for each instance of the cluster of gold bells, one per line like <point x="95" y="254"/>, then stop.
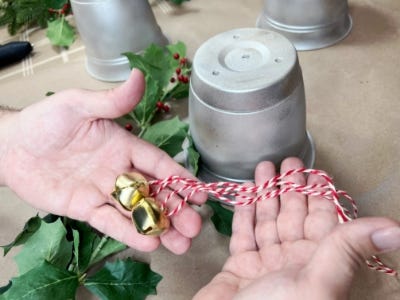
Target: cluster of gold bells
<point x="132" y="191"/>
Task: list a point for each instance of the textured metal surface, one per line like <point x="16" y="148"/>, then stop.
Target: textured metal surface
<point x="109" y="28"/>
<point x="310" y="24"/>
<point x="246" y="103"/>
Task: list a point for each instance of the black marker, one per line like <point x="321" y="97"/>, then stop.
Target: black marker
<point x="14" y="52"/>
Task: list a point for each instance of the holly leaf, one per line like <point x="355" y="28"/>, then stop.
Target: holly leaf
<point x="123" y="279"/>
<point x="145" y="110"/>
<point x="31" y="226"/>
<point x="104" y="247"/>
<point x="89" y="247"/>
<point x="45" y="281"/>
<point x="60" y="32"/>
<point x="47" y="243"/>
<point x="5" y="288"/>
<point x="178" y="2"/>
<point x="154" y="62"/>
<point x="221" y="218"/>
<point x="179" y="91"/>
<point x="167" y="135"/>
<point x="158" y="64"/>
<point x="76" y="245"/>
<point x="179" y="48"/>
<point x="137" y="61"/>
<point x="57" y="4"/>
<point x="193" y="156"/>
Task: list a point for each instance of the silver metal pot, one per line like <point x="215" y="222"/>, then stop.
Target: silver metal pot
<point x="308" y="24"/>
<point x="109" y="28"/>
<point x="247" y="104"/>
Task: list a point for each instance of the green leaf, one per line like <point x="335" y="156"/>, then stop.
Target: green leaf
<point x="123" y="279"/>
<point x="193" y="156"/>
<point x="76" y="243"/>
<point x="45" y="281"/>
<point x="179" y="91"/>
<point x="154" y="62"/>
<point x="60" y="32"/>
<point x="18" y="14"/>
<point x="167" y="135"/>
<point x="89" y="247"/>
<point x="145" y="110"/>
<point x="29" y="229"/>
<point x="104" y="247"/>
<point x="178" y="2"/>
<point x="222" y="218"/>
<point x="47" y="243"/>
<point x="179" y="48"/>
<point x="159" y="64"/>
<point x="84" y="241"/>
<point x="137" y="61"/>
<point x="5" y="288"/>
<point x="56" y="4"/>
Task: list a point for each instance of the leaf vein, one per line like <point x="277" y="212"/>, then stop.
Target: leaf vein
<point x="47" y="285"/>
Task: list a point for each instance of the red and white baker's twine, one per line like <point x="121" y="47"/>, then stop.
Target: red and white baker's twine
<point x="237" y="194"/>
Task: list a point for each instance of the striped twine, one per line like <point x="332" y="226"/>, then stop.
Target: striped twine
<point x="232" y="193"/>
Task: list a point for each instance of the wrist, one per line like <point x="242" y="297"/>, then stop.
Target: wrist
<point x="7" y="117"/>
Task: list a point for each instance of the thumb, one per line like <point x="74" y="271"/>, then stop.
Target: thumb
<point x="113" y="103"/>
<point x="340" y="254"/>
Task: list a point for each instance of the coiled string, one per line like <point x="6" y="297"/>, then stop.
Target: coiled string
<point x="232" y="193"/>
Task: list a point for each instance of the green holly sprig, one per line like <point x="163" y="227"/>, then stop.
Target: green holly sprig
<point x="50" y="14"/>
<point x="57" y="257"/>
<point x="167" y="72"/>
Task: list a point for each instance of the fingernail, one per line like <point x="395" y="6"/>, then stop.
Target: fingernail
<point x="387" y="239"/>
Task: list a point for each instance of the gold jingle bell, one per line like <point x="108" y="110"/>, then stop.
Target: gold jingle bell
<point x="132" y="192"/>
<point x="129" y="189"/>
<point x="148" y="218"/>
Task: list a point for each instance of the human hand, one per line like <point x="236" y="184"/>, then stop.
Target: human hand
<point x="294" y="248"/>
<point x="63" y="154"/>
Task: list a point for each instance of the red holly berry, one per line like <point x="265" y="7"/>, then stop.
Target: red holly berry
<point x="128" y="126"/>
<point x="183" y="61"/>
<point x="159" y="105"/>
<point x="180" y="78"/>
<point x="166" y="108"/>
<point x="64" y="9"/>
<point x="178" y="71"/>
<point x="185" y="79"/>
<point x="172" y="80"/>
<point x="176" y="55"/>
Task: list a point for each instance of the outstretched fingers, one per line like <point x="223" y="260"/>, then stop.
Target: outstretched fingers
<point x="322" y="216"/>
<point x="293" y="209"/>
<point x="243" y="238"/>
<point x="267" y="209"/>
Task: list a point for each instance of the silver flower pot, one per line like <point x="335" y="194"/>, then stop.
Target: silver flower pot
<point x="308" y="24"/>
<point x="247" y="104"/>
<point x="109" y="28"/>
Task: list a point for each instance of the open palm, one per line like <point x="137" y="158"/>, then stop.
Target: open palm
<point x="65" y="152"/>
<point x="292" y="247"/>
